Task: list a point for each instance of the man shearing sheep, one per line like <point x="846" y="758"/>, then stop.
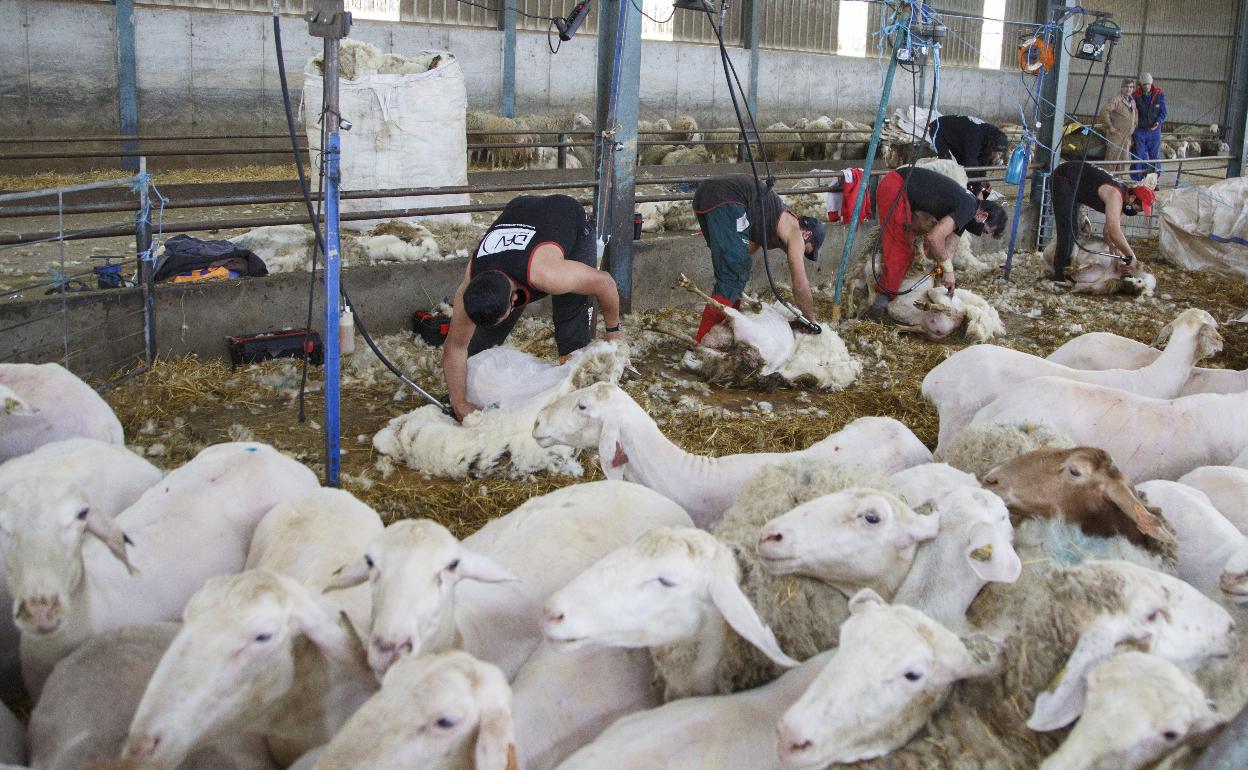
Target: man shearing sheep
<point x="970" y="141"/>
<point x="1076" y="183"/>
<point x="538" y="245"/>
<point x="736" y="218"/>
<point x="945" y="210"/>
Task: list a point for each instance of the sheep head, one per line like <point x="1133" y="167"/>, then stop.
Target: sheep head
<point x="413" y="567"/>
<point x="1139" y="707"/>
<point x="455" y="712"/>
<point x="892" y="670"/>
<point x="42" y="534"/>
<point x="662" y="588"/>
<point x="1198" y="324"/>
<point x="855" y="538"/>
<point x="584" y="419"/>
<point x="1081" y="485"/>
<point x="231" y="663"/>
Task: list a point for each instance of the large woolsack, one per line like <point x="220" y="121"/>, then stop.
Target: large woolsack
<point x="408" y="127"/>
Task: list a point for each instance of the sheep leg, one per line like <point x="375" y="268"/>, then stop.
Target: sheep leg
<point x="686" y="284"/>
<point x="685" y="338"/>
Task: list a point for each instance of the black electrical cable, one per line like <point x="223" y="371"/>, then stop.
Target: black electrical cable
<point x="320" y="243"/>
<point x="761" y="190"/>
<point x="651" y="18"/>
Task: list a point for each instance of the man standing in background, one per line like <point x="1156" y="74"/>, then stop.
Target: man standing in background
<point x="1150" y="106"/>
<point x="1118" y="120"/>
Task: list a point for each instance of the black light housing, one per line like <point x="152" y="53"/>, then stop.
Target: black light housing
<point x="701" y="6"/>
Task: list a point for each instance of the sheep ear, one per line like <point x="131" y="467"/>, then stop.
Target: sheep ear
<point x="1063" y="702"/>
<point x="348" y="575"/>
<point x="1209" y="341"/>
<point x="610" y="454"/>
<point x="111" y="535"/>
<point x="317" y="623"/>
<point x="983" y="657"/>
<point x="1164" y="335"/>
<point x="991" y="556"/>
<point x="741" y="616"/>
<point x="1121" y="495"/>
<point x="496" y="736"/>
<point x="475" y="566"/>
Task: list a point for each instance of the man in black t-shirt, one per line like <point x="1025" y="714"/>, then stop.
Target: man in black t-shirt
<point x="968" y="140"/>
<point x="538" y="245"/>
<point x="951" y="209"/>
<point x="737" y="218"/>
<point x="1075" y="182"/>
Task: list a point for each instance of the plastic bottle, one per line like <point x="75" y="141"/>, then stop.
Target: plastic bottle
<point x="1015" y="171"/>
<point x="346" y="332"/>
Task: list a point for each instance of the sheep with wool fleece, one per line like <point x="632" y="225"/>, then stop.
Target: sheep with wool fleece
<point x="936" y="315"/>
<point x="726" y="732"/>
<point x="1227" y="488"/>
<point x="892" y="668"/>
<point x="669" y="586"/>
<point x="429" y="441"/>
<point x="258" y="652"/>
<point x="1053" y="626"/>
<point x="1148" y="438"/>
<point x="143" y="565"/>
<point x="1139" y="707"/>
<point x="1212" y="554"/>
<point x="454" y="712"/>
<point x="972" y="377"/>
<point x="310" y="537"/>
<point x="1081" y="485"/>
<point x="88" y="702"/>
<point x="12" y="737"/>
<point x="46" y="402"/>
<point x="525" y="555"/>
<point x="77" y="472"/>
<point x="977" y="450"/>
<point x="543" y="544"/>
<point x="1103" y="350"/>
<point x="631" y="446"/>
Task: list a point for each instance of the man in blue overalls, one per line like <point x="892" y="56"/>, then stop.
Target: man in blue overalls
<point x="1150" y="105"/>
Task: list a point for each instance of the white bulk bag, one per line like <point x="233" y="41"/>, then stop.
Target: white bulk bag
<point x="1206" y="228"/>
<point x="407" y="130"/>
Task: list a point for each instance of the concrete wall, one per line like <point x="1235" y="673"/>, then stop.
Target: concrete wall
<point x="209" y="71"/>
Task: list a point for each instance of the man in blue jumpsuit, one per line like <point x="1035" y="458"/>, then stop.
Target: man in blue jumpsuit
<point x="1150" y="104"/>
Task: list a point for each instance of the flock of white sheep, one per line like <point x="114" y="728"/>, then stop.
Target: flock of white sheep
<point x="860" y="601"/>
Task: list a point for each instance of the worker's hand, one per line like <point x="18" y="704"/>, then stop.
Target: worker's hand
<point x="1130" y="263"/>
<point x="464" y="409"/>
<point x="615" y="336"/>
<point x="949" y="281"/>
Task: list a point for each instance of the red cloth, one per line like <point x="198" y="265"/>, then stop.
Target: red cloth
<point x="850" y="194"/>
<point x="713" y="314"/>
<point x="898" y="242"/>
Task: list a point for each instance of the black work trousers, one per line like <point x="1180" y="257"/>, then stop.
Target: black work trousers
<point x="571" y="312"/>
<point x="1065" y="222"/>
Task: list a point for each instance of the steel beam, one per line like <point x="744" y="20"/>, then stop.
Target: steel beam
<point x="615" y="121"/>
<point x="753" y="28"/>
<point x="507" y="23"/>
<point x="127" y="84"/>
<point x="1237" y="98"/>
<point x="1053" y="105"/>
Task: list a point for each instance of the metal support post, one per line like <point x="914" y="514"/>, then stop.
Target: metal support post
<point x="1052" y="111"/>
<point x="507" y="22"/>
<point x="615" y="123"/>
<point x="331" y="22"/>
<point x="753" y="28"/>
<point x="127" y="89"/>
<point x="1237" y="98"/>
<point x="147" y="260"/>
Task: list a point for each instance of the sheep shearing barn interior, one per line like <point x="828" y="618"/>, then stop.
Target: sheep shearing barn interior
<point x="880" y="403"/>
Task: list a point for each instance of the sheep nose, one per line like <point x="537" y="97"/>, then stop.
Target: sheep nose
<point x="551" y="617"/>
<point x="142" y="746"/>
<point x="772" y="537"/>
<point x="393" y="649"/>
<point x="798" y="748"/>
<point x="42" y="612"/>
<point x="991" y="480"/>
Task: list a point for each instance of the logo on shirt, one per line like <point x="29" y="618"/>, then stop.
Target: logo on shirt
<point x="506" y="238"/>
<point x="743" y="223"/>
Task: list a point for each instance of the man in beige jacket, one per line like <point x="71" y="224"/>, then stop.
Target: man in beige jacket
<point x="1118" y="119"/>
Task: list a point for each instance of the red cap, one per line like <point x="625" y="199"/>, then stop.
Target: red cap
<point x="1146" y="197"/>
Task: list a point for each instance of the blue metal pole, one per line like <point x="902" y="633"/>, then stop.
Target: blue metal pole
<point x="329" y="332"/>
<point x="509" y="58"/>
<point x="127" y="84"/>
<point x="862" y="188"/>
<point x="1022" y="185"/>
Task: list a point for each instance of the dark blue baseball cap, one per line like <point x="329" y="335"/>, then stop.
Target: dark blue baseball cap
<point x="816" y="235"/>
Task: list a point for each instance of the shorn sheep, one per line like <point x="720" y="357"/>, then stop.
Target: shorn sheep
<point x="455" y="713"/>
<point x="972" y="377"/>
<point x="46" y="402"/>
<point x="1227" y="488"/>
<point x="1102" y="350"/>
<point x="631" y="446"/>
<point x="1212" y="554"/>
<point x="74" y="573"/>
<point x="1148" y="438"/>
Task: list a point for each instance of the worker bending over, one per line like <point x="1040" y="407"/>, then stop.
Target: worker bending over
<point x="737" y="217"/>
<point x="970" y="141"/>
<point x="1075" y="182"/>
<point x="539" y="245"/>
<point x="945" y="210"/>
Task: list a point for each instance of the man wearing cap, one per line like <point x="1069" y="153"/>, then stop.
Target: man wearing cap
<point x="737" y="215"/>
<point x="1150" y="106"/>
<point x="538" y="245"/>
<point x="1075" y="182"/>
<point x="944" y="209"/>
<point x="1118" y="119"/>
<point x="968" y="140"/>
